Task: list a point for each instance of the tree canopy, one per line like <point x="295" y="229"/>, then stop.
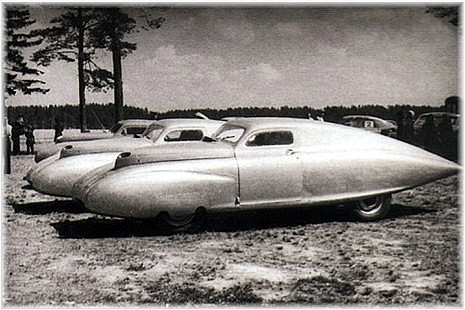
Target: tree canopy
<point x="69" y="39"/>
<point x="63" y="39"/>
<point x="18" y="71"/>
<point x="449" y="13"/>
<point x="109" y="34"/>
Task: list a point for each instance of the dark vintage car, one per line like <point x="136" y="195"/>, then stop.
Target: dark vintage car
<point x="256" y="163"/>
<point x="441" y="135"/>
<point x="438" y="118"/>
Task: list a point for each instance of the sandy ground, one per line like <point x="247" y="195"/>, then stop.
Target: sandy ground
<point x="57" y="253"/>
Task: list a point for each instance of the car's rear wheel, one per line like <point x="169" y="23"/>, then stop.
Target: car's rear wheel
<point x="190" y="223"/>
<point x="372" y="209"/>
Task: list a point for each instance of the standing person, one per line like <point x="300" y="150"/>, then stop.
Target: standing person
<point x="429" y="134"/>
<point x="400" y="126"/>
<point x="30" y="139"/>
<point x="6" y="138"/>
<point x="16" y="131"/>
<point x="408" y="127"/>
<point x="447" y="142"/>
<point x="58" y="129"/>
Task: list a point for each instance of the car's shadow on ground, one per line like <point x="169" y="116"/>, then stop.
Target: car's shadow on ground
<point x="27" y="187"/>
<point x="47" y="207"/>
<point x="96" y="227"/>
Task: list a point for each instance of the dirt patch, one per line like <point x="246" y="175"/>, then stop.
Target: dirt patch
<point x="57" y="253"/>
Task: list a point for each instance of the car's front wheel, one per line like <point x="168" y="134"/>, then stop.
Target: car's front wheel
<point x="372" y="209"/>
<point x="190" y="223"/>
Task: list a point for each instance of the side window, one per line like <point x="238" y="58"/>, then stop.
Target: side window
<point x="184" y="135"/>
<point x="358" y="123"/>
<point x="271" y="138"/>
<point x="135" y="130"/>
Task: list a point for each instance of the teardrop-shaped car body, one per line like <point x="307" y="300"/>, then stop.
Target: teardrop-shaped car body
<point x="260" y="163"/>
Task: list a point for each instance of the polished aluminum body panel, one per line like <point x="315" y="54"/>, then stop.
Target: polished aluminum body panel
<point x="178" y="188"/>
<point x="125" y="126"/>
<point x="208" y="127"/>
<point x="58" y="178"/>
<point x="56" y="175"/>
<point x="324" y="163"/>
<point x="91" y="136"/>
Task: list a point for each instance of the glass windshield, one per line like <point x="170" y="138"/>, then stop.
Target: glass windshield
<point x="153" y="132"/>
<point x="229" y="133"/>
<point x="116" y="127"/>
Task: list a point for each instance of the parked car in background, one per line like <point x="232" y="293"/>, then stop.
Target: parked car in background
<point x="437" y="117"/>
<point x="371" y="123"/>
<point x="257" y="163"/>
<point x="126" y="128"/>
<point x="438" y="132"/>
<point x="57" y="174"/>
<point x="120" y="129"/>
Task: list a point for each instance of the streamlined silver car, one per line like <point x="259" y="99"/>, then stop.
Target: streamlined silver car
<point x="57" y="174"/>
<point x="122" y="129"/>
<point x="253" y="163"/>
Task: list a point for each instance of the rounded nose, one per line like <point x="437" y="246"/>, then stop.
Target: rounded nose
<point x="54" y="180"/>
<point x="59" y="177"/>
<point x="32" y="172"/>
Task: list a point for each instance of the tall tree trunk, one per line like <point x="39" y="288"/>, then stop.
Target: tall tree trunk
<point x="82" y="85"/>
<point x="118" y="78"/>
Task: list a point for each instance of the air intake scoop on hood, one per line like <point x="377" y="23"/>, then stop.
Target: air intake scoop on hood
<point x="174" y="152"/>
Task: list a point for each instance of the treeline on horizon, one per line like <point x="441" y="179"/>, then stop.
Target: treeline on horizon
<point x="102" y="115"/>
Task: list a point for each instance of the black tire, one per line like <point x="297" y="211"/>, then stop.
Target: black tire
<point x="372" y="209"/>
<point x="190" y="223"/>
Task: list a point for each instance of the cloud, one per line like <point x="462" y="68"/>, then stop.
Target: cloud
<point x="229" y="25"/>
<point x="267" y="72"/>
<point x="169" y="77"/>
<point x="287" y="29"/>
<point x="241" y="32"/>
<point x="297" y="56"/>
<point x="165" y="52"/>
<point x="258" y="72"/>
<point x="164" y="62"/>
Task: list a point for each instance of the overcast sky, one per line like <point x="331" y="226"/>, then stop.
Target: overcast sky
<point x="222" y="57"/>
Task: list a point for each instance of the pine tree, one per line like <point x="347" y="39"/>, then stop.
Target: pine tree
<point x="16" y="66"/>
<point x="67" y="40"/>
<point x="110" y="34"/>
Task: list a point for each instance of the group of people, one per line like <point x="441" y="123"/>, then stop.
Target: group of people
<point x="439" y="138"/>
<point x="12" y="138"/>
<point x="16" y="130"/>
